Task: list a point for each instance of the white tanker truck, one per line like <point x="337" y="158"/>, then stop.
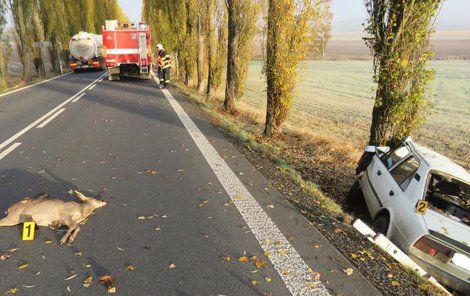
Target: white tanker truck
<point x="86" y="52"/>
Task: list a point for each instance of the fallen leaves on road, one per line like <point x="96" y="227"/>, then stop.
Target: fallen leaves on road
<point x="11" y="291"/>
<point x="108" y="281"/>
<point x="23" y="264"/>
<point x="348" y="271"/>
<point x="311" y="285"/>
<point x="395" y="283"/>
<point x="270" y="206"/>
<point x="243" y="259"/>
<point x="258" y="262"/>
<point x="86" y="265"/>
<point x="316" y="276"/>
<point x="254" y="282"/>
<point x="152" y="172"/>
<point x="4" y="257"/>
<point x="120" y="249"/>
<point x="141" y="217"/>
<point x="268" y="279"/>
<point x="48" y="241"/>
<point x="226" y="258"/>
<point x="88" y="282"/>
<point x="29" y="286"/>
<point x="202" y="203"/>
<point x="71" y="277"/>
<point x="172" y="266"/>
<point x="130" y="267"/>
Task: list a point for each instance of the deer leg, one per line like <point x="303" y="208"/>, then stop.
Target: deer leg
<point x="67" y="234"/>
<point x="74" y="234"/>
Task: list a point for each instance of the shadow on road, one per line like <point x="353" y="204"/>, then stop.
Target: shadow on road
<point x="17" y="184"/>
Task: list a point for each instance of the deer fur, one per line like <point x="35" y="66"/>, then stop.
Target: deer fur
<point x="53" y="213"/>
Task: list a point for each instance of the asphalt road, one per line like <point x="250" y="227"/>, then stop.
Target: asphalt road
<point x="184" y="204"/>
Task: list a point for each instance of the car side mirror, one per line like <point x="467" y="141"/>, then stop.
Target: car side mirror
<point x="376" y="149"/>
<point x="383" y="149"/>
<point x="370" y="149"/>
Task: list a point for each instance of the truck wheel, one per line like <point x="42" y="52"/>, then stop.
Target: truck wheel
<point x="381" y="223"/>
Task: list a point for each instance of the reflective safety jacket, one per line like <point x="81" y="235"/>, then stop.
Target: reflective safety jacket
<point x="163" y="60"/>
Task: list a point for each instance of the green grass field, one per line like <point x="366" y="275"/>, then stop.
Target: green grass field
<point x="336" y="98"/>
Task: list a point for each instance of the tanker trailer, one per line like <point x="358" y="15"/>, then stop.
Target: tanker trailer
<point x="85" y="52"/>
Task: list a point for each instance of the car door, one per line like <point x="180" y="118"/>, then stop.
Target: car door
<point x="379" y="173"/>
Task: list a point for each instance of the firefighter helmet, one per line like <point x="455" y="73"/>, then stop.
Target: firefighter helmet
<point x="159" y="46"/>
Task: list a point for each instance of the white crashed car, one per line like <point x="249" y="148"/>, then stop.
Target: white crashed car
<point x="420" y="200"/>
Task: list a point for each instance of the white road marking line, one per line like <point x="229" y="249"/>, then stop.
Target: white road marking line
<point x="291" y="267"/>
<point x="100" y="80"/>
<point x="20" y="133"/>
<point x="8" y="150"/>
<point x="78" y="98"/>
<point x="45" y="122"/>
<point x="26" y="87"/>
<point x="92" y="87"/>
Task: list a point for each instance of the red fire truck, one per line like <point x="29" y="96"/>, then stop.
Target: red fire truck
<point x="127" y="49"/>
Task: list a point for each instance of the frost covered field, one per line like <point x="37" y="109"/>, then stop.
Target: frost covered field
<point x="336" y="98"/>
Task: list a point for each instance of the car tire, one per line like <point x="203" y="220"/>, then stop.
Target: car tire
<point x="381" y="223"/>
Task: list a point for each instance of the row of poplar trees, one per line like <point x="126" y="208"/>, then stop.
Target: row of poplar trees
<point x="54" y="21"/>
<point x="218" y="35"/>
<point x="212" y="40"/>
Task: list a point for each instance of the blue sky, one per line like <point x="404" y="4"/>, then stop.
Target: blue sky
<point x="349" y="14"/>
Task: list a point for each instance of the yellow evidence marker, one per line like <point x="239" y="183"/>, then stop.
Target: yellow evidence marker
<point x="28" y="230"/>
<point x="421" y="207"/>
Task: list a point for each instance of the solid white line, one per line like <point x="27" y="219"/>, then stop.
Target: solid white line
<point x="45" y="122"/>
<point x="20" y="133"/>
<point x="92" y="87"/>
<point x="28" y="86"/>
<point x="78" y="98"/>
<point x="287" y="261"/>
<point x="100" y="80"/>
<point x="9" y="149"/>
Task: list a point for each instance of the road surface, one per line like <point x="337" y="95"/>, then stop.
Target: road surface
<point x="183" y="204"/>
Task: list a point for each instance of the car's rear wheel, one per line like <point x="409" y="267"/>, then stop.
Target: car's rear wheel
<point x="381" y="223"/>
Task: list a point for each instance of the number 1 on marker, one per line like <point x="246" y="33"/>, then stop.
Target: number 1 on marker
<point x="28" y="230"/>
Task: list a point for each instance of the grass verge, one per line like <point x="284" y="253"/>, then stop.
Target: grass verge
<point x="325" y="213"/>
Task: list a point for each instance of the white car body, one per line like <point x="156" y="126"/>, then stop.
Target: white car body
<point x="394" y="183"/>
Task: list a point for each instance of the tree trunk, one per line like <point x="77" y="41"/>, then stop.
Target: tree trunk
<point x="271" y="127"/>
<point x="210" y="50"/>
<point x="23" y="47"/>
<point x="39" y="51"/>
<point x="231" y="87"/>
<point x="3" y="70"/>
<point x="200" y="50"/>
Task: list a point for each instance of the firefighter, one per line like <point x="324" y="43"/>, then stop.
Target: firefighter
<point x="163" y="66"/>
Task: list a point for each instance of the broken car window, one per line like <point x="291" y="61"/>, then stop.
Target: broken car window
<point x="403" y="173"/>
<point x="450" y="197"/>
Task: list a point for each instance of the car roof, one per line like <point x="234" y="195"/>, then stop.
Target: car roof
<point x="440" y="163"/>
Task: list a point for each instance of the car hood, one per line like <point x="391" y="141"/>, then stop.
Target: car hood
<point x="447" y="229"/>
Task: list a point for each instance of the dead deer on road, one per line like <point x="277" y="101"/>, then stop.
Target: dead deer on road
<point x="53" y="213"/>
